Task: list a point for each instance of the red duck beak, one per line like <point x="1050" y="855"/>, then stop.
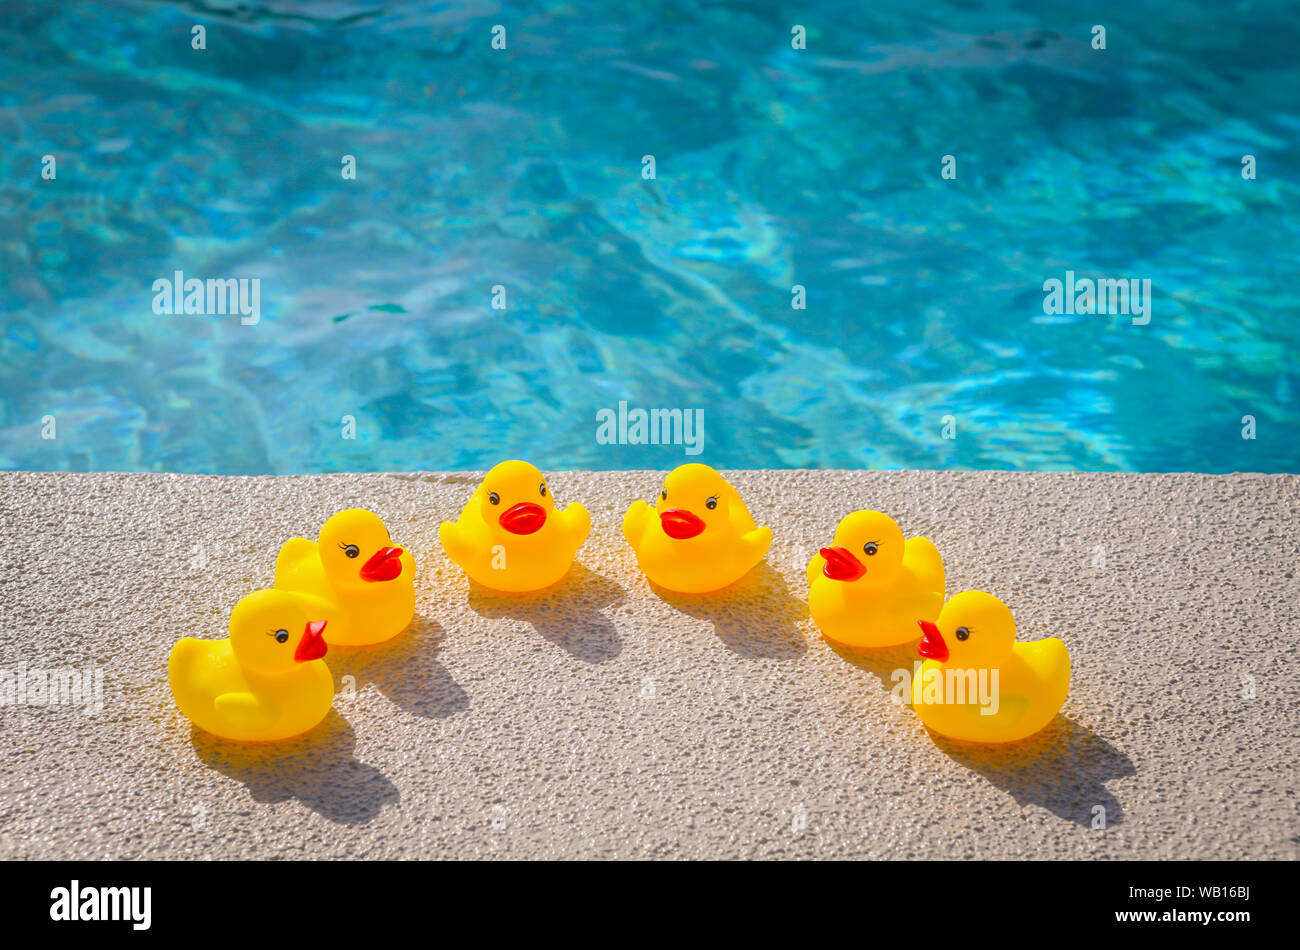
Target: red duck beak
<point x="523" y="518"/>
<point x="312" y="645"/>
<point x="680" y="524"/>
<point x="841" y="565"/>
<point x="384" y="565"/>
<point x="932" y="646"/>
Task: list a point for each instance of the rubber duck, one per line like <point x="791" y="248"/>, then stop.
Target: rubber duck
<point x="510" y="536"/>
<point x="977" y="684"/>
<point x="870" y="586"/>
<point x="353" y="576"/>
<point x="700" y="537"/>
<point x="266" y="682"/>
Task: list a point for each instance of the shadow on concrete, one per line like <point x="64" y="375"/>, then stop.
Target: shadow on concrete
<point x="317" y="769"/>
<point x="570" y="614"/>
<point x="756" y="617"/>
<point x="883" y="664"/>
<point x="405" y="669"/>
<point x="1064" y="768"/>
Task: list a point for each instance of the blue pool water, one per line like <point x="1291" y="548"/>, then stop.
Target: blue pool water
<point x="522" y="168"/>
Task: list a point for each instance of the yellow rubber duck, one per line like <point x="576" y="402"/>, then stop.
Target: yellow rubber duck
<point x="977" y="684"/>
<point x="701" y="537"/>
<point x="353" y="576"/>
<point x="510" y="536"/>
<point x="266" y="682"/>
<point x="870" y="586"/>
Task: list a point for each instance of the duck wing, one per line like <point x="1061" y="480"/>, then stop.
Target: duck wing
<point x="1011" y="708"/>
<point x="245" y="711"/>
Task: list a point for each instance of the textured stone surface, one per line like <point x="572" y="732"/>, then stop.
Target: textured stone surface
<point x="601" y="720"/>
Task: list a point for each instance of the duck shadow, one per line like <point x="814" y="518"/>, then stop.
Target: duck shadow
<point x="884" y="663"/>
<point x="570" y="614"/>
<point x="756" y="617"/>
<point x="1064" y="768"/>
<point x="318" y="769"/>
<point x="406" y="670"/>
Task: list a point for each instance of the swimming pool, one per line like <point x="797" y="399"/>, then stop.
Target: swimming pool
<point x="503" y="279"/>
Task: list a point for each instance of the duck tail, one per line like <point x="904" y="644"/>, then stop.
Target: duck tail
<point x="634" y="522"/>
<point x="292" y="553"/>
<point x="761" y="539"/>
<point x="928" y="563"/>
<point x="580" y="518"/>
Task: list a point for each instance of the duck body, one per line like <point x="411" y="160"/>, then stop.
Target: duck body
<point x="263" y="683"/>
<point x="368" y="597"/>
<point x="870" y="587"/>
<point x="219" y="696"/>
<point x="359" y="617"/>
<point x="699" y="537"/>
<point x="511" y="536"/>
<point x="1003" y="697"/>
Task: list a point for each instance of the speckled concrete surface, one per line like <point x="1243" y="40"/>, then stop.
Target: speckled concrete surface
<point x="599" y="720"/>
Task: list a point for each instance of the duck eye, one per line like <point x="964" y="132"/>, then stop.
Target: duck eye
<point x="870" y="547"/>
<point x="494" y="498"/>
<point x="351" y="550"/>
<point x="962" y="633"/>
<point x="711" y="504"/>
<point x="282" y="636"/>
<point x="542" y="489"/>
<point x="664" y="494"/>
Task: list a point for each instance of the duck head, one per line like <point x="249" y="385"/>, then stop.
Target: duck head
<point x="974" y="629"/>
<point x="694" y="499"/>
<point x="514" y="499"/>
<point x="271" y="633"/>
<point x="356" y="550"/>
<point x="867" y="547"/>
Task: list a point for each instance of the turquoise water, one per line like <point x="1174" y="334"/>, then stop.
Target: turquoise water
<point x="522" y="169"/>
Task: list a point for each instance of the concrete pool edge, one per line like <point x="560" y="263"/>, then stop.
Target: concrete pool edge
<point x="604" y="681"/>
